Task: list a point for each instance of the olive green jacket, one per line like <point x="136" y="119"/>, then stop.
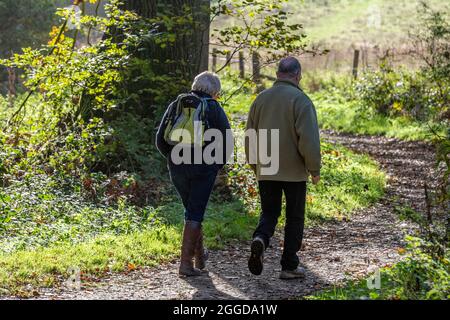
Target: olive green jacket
<point x="286" y="107"/>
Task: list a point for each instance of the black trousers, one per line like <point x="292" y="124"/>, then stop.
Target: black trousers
<point x="271" y="193"/>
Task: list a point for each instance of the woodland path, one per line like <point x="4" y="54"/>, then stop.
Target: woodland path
<point x="333" y="252"/>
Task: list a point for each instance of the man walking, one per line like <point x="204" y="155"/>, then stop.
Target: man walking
<point x="285" y="107"/>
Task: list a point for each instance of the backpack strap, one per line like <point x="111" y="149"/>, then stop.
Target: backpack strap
<point x="203" y="111"/>
<point x="206" y="110"/>
<point x="168" y="120"/>
<point x="177" y="110"/>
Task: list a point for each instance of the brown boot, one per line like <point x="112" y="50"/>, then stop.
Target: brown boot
<point x="191" y="234"/>
<point x="201" y="253"/>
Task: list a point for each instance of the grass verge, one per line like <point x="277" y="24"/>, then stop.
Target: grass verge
<point x="347" y="116"/>
<point x="24" y="270"/>
<point x="422" y="275"/>
<point x="350" y="181"/>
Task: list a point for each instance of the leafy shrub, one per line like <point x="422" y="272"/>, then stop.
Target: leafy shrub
<point x="422" y="275"/>
<point x="431" y="43"/>
<point x="39" y="210"/>
<point x="399" y="93"/>
<point x="330" y="82"/>
<point x="423" y="94"/>
<point x="81" y="120"/>
<point x="376" y="89"/>
<point x="419" y="276"/>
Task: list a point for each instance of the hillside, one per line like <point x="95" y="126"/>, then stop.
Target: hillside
<point x="343" y="22"/>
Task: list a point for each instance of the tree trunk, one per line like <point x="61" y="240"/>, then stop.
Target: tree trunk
<point x="188" y="54"/>
<point x="175" y="65"/>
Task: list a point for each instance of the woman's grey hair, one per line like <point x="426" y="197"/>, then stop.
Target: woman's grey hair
<point x="207" y="82"/>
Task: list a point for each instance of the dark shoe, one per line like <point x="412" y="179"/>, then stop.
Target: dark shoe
<point x="255" y="263"/>
<point x="201" y="253"/>
<point x="298" y="273"/>
<point x="191" y="234"/>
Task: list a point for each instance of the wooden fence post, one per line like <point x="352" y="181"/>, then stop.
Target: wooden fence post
<point x="11" y="86"/>
<point x="256" y="68"/>
<point x="228" y="61"/>
<point x="364" y="58"/>
<point x="241" y="65"/>
<point x="214" y="60"/>
<point x="257" y="72"/>
<point x="355" y="64"/>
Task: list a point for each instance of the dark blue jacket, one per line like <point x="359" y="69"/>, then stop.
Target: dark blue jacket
<point x="216" y="118"/>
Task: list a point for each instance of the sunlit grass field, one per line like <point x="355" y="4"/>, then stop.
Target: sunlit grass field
<point x="343" y="23"/>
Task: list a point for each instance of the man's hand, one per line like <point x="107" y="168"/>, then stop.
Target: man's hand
<point x="315" y="179"/>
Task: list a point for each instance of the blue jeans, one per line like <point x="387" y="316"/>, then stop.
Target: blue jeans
<point x="194" y="184"/>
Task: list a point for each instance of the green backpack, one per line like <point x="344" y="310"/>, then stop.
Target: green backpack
<point x="186" y="123"/>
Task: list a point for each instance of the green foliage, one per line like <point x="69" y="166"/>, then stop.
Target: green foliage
<point x="401" y="93"/>
<point x="350" y="182"/>
<point x="25" y="23"/>
<point x="40" y="145"/>
<point x="330" y="82"/>
<point x="260" y="26"/>
<point x="24" y="270"/>
<point x="78" y="171"/>
<point x="419" y="276"/>
<point x="85" y="110"/>
<point x="42" y="211"/>
<point x="406" y="213"/>
<point x="443" y="165"/>
<point x="91" y="96"/>
<point x="432" y="43"/>
<point x="338" y="112"/>
<point x="423" y="274"/>
<point x="376" y="89"/>
<point x="425" y="94"/>
<point x="225" y="222"/>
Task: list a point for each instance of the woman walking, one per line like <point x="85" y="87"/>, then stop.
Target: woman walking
<point x="181" y="139"/>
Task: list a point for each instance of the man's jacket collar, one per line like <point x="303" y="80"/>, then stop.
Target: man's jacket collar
<point x="280" y="82"/>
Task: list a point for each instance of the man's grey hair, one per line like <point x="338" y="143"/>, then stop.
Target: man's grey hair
<point x="207" y="82"/>
<point x="290" y="66"/>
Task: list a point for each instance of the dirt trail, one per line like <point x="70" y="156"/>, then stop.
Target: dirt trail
<point x="333" y="252"/>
